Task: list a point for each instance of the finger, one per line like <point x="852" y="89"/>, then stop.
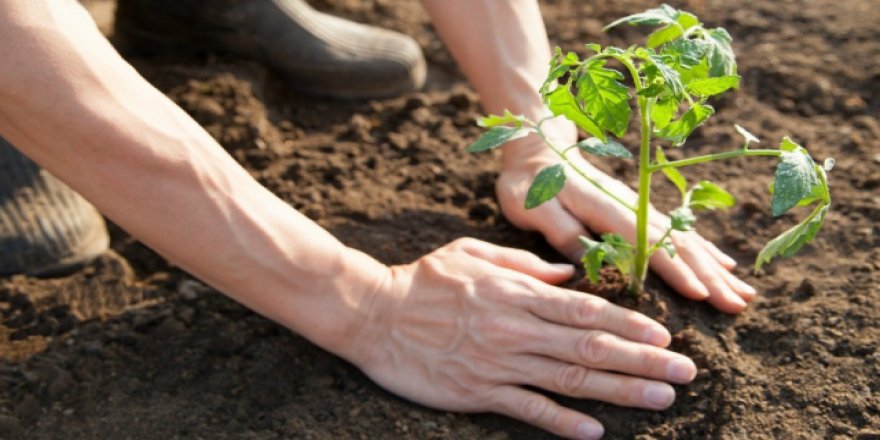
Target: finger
<point x="560" y="228"/>
<point x="726" y="264"/>
<point x="605" y="351"/>
<point x="602" y="214"/>
<point x="679" y="275"/>
<point x="518" y="260"/>
<point x="721" y="295"/>
<point x="538" y="410"/>
<point x="586" y="383"/>
<point x="743" y="289"/>
<point x="569" y="308"/>
<point x="726" y="261"/>
<point x="738" y="286"/>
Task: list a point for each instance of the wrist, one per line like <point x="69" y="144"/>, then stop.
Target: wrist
<point x="342" y="309"/>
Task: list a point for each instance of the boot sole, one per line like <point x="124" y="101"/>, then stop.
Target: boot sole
<point x="90" y="248"/>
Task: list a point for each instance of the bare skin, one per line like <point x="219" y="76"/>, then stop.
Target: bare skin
<point x="462" y="329"/>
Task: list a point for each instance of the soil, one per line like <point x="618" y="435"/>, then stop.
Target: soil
<point x="132" y="347"/>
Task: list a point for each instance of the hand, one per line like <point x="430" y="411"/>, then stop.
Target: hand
<point x="462" y="329"/>
<point x="698" y="271"/>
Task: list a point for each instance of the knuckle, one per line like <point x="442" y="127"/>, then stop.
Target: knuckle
<point x="432" y="262"/>
<point x="464" y="243"/>
<point x="563" y="235"/>
<point x="503" y="291"/>
<point x="535" y="408"/>
<point x="651" y="361"/>
<point x="496" y="330"/>
<point x="586" y="311"/>
<point x="526" y="258"/>
<point x="631" y="393"/>
<point x="571" y="379"/>
<point x="636" y="323"/>
<point x="595" y="347"/>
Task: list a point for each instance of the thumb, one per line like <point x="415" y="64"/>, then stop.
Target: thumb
<point x="521" y="261"/>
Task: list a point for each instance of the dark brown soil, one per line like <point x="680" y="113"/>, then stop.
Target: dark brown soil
<point x="132" y="347"/>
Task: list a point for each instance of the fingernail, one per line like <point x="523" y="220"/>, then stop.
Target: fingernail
<point x="562" y="267"/>
<point x="701" y="290"/>
<point x="737" y="300"/>
<point x="659" y="395"/>
<point x="590" y="431"/>
<point x="728" y="260"/>
<point x="657" y="336"/>
<point x="682" y="370"/>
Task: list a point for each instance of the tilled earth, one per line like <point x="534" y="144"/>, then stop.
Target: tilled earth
<point x="132" y="347"/>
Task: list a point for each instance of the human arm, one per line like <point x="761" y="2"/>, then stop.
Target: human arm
<point x="73" y="105"/>
<point x="502" y="48"/>
<point x="439" y="331"/>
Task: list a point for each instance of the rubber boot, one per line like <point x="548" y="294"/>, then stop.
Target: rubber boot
<point x="314" y="52"/>
<point x="46" y="229"/>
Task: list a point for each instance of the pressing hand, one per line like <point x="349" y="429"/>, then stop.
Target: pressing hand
<point x="465" y="327"/>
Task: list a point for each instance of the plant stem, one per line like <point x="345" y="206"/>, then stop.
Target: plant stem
<point x="641" y="263"/>
<point x="710" y="157"/>
<point x="641" y="260"/>
<point x="659" y="242"/>
<point x="581" y="172"/>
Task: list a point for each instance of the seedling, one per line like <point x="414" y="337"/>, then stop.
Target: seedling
<point x="682" y="65"/>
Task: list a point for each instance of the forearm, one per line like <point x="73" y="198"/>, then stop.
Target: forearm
<point x="503" y="50"/>
<point x="72" y="104"/>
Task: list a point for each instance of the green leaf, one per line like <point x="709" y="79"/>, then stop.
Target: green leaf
<point x="669" y="247"/>
<point x="652" y="90"/>
<point x="685" y="53"/>
<point x="656" y="67"/>
<point x="700" y="71"/>
<point x="506" y="118"/>
<point x="562" y="102"/>
<point x="613" y="249"/>
<point x="817" y="193"/>
<point x="610" y="148"/>
<point x="722" y="61"/>
<point x="621" y="255"/>
<point x="790" y="241"/>
<point x="663" y="111"/>
<point x="559" y="65"/>
<point x="712" y="86"/>
<point x="795" y="179"/>
<point x="594" y="256"/>
<point x="749" y="137"/>
<point x="707" y="195"/>
<point x="665" y="14"/>
<point x="664" y="35"/>
<point x="546" y="185"/>
<point x="678" y="131"/>
<point x="683" y="218"/>
<point x="687" y="20"/>
<point x="671" y="173"/>
<point x="497" y="136"/>
<point x="605" y="98"/>
<point x="670" y="32"/>
<point x="789" y="145"/>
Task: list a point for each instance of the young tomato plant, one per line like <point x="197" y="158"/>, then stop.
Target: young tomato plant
<point x="682" y="65"/>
